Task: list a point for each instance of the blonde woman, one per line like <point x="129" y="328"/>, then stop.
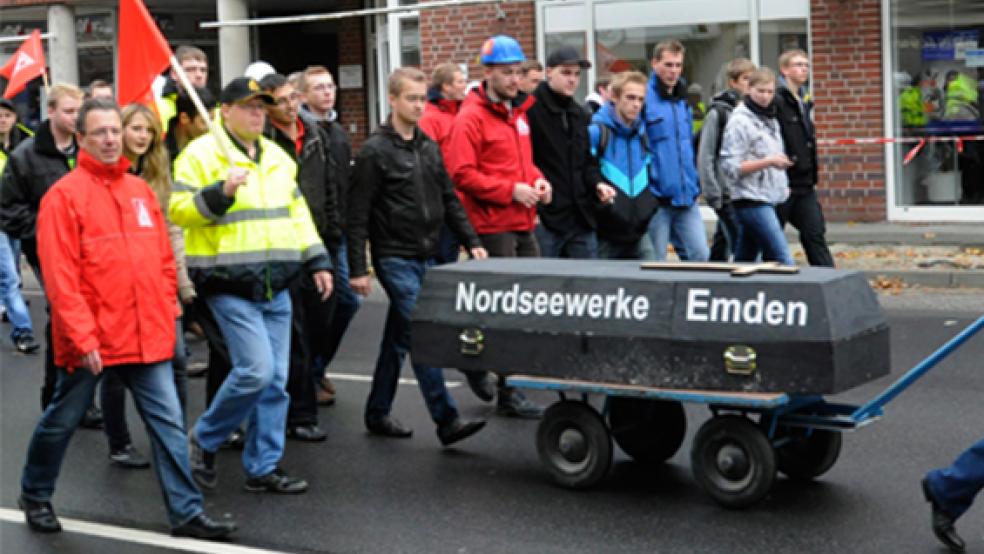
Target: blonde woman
<point x="143" y="146"/>
<point x="754" y="161"/>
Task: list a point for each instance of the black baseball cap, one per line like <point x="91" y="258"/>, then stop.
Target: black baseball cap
<point x="242" y="89"/>
<point x="567" y="55"/>
<point x="6" y="104"/>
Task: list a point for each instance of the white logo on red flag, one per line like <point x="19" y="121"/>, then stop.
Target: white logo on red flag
<point x="23" y="60"/>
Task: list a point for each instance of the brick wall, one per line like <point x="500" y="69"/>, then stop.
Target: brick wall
<point x="457" y="34"/>
<point x="351" y="103"/>
<point x="847" y="88"/>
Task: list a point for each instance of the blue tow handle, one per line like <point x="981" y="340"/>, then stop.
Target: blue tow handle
<point x="874" y="407"/>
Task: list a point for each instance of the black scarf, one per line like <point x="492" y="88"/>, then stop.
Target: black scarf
<point x="767" y="112"/>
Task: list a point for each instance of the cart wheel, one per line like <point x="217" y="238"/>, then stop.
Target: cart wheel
<point x="574" y="444"/>
<point x="650" y="431"/>
<point x="808" y="455"/>
<point x="733" y="461"/>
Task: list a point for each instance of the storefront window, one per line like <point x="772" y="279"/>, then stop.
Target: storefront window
<point x="410" y="41"/>
<point x="94" y="36"/>
<point x="938" y="76"/>
<point x="777" y="37"/>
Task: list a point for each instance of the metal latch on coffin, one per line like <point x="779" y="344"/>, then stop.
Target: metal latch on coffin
<point x="472" y="342"/>
<point x="740" y="360"/>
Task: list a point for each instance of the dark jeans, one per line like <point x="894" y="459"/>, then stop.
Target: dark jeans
<point x="725" y="234"/>
<point x="578" y="244"/>
<point x="955" y="487"/>
<point x="112" y="395"/>
<point x="802" y="210"/>
<point x="759" y="233"/>
<point x="346" y="305"/>
<point x="401" y="279"/>
<point x="448" y="247"/>
<point x="310" y="319"/>
<point x="511" y="244"/>
<point x="152" y="386"/>
<point x="29" y="247"/>
<point x="611" y="250"/>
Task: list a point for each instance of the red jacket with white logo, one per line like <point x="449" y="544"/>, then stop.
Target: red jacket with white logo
<point x="490" y="152"/>
<point x="108" y="268"/>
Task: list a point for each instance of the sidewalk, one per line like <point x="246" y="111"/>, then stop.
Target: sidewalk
<point x="904" y="255"/>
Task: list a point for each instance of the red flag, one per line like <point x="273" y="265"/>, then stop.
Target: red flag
<point x="144" y="54"/>
<point x="25" y="65"/>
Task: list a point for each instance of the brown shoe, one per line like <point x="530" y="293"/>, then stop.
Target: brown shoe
<point x="327" y="385"/>
<point x="324" y="397"/>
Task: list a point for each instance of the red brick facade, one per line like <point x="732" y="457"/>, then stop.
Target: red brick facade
<point x="847" y="88"/>
<point x="456" y="34"/>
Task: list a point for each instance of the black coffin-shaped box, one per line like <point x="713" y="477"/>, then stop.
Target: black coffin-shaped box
<point x="819" y="331"/>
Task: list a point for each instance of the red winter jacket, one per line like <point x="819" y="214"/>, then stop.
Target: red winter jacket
<point x="490" y="152"/>
<point x="439" y="114"/>
<point x="108" y="267"/>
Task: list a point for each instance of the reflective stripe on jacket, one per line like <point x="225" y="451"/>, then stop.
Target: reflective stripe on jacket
<point x="251" y="245"/>
<point x="108" y="269"/>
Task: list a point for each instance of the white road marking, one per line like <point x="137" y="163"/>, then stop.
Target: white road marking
<point x="139" y="536"/>
<point x="356" y="378"/>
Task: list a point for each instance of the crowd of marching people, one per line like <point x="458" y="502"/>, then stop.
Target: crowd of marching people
<point x="255" y="225"/>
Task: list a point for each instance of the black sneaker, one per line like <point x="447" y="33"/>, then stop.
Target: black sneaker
<point x="235" y="441"/>
<point x="129" y="457"/>
<point x="202" y="465"/>
<point x="458" y="429"/>
<point x="93" y="418"/>
<point x="25" y="344"/>
<point x="204" y="527"/>
<point x="276" y="482"/>
<point x="515" y="404"/>
<point x="40" y="516"/>
<point x="482" y="384"/>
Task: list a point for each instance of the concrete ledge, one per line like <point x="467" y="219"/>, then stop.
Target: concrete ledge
<point x="934" y="279"/>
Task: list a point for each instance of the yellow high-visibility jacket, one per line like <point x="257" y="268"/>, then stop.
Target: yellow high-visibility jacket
<point x="251" y="245"/>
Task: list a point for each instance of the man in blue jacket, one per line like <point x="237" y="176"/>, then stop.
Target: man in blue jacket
<point x="673" y="173"/>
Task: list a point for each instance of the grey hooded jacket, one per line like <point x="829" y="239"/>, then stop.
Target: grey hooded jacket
<point x="749" y="136"/>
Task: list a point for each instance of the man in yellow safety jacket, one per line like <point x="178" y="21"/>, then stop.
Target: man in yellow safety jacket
<point x="248" y="232"/>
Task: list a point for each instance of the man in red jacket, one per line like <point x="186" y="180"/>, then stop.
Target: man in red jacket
<point x="491" y="163"/>
<point x="109" y="277"/>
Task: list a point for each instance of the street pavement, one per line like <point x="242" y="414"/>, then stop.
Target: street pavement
<point x="490" y="494"/>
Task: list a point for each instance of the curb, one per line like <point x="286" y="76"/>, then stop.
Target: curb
<point x="934" y="279"/>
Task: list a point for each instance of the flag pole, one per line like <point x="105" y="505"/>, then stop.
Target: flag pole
<point x="44" y="78"/>
<point x="193" y="94"/>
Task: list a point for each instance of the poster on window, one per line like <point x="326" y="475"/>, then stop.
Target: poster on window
<point x="948" y="45"/>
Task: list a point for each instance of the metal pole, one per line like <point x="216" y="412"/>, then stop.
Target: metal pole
<point x="20" y="38"/>
<point x="352" y="13"/>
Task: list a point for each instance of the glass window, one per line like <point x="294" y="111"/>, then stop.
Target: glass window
<point x="709" y="48"/>
<point x="410" y="41"/>
<point x="776" y="37"/>
<point x="938" y="75"/>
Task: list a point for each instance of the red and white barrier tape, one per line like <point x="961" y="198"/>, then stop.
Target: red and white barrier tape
<point x="919" y="142"/>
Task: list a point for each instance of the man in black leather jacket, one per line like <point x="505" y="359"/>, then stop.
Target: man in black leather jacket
<point x="302" y="138"/>
<point x="802" y="209"/>
<point x="400" y="196"/>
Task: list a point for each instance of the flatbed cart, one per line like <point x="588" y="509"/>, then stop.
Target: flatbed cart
<point x="735" y="454"/>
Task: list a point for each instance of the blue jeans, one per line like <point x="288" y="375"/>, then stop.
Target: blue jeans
<point x="401" y="279"/>
<point x="258" y="336"/>
<point x="152" y="386"/>
<point x="579" y="245"/>
<point x="10" y="293"/>
<point x="112" y="395"/>
<point x="682" y="225"/>
<point x="346" y="305"/>
<point x="955" y="487"/>
<point x="759" y="232"/>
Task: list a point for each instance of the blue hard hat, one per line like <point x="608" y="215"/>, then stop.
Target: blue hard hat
<point x="502" y="49"/>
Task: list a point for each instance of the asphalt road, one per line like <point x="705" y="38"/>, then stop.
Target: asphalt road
<point x="489" y="494"/>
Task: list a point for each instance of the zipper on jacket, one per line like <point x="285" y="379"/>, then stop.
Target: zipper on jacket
<point x="680" y="149"/>
<point x="418" y="183"/>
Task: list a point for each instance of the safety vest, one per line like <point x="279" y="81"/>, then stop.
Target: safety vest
<point x="167" y="108"/>
<point x="698" y="113"/>
<point x="269" y="223"/>
<point x="911" y="108"/>
<point x="3" y="155"/>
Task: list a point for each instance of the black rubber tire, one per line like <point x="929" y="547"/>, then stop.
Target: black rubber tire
<point x="733" y="461"/>
<point x="804" y="457"/>
<point x="574" y="444"/>
<point x="650" y="431"/>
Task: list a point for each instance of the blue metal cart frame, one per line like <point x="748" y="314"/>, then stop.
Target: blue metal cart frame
<point x="730" y="461"/>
